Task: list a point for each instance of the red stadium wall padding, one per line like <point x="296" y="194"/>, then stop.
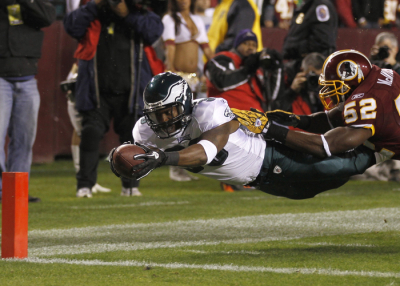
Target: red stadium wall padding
<point x="54" y="128"/>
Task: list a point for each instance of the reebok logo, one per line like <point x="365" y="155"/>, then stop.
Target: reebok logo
<point x="356" y="96"/>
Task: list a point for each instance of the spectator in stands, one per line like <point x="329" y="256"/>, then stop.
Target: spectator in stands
<point x="232" y="74"/>
<point x="278" y="13"/>
<point x="201" y="6"/>
<point x="184" y="33"/>
<point x="229" y="18"/>
<point x="313" y="29"/>
<point x="20" y="49"/>
<point x="235" y="76"/>
<point x="302" y="93"/>
<point x="384" y="51"/>
<point x="108" y="85"/>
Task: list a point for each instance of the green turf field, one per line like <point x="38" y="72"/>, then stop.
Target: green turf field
<point x="192" y="233"/>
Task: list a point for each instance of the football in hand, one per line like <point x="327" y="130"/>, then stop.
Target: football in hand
<point x="123" y="159"/>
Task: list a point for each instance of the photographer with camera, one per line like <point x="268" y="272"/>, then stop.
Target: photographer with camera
<point x="384" y="51"/>
<point x="301" y="94"/>
<point x="113" y="71"/>
<point x="235" y="76"/>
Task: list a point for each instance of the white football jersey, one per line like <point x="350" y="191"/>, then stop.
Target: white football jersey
<point x="239" y="162"/>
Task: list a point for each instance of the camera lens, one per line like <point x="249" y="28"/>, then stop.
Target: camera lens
<point x="383" y="53"/>
<point x="312" y="80"/>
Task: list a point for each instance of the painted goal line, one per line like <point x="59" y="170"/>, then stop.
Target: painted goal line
<point x="224" y="267"/>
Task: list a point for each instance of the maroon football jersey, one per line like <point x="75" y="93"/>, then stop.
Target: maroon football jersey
<point x="375" y="104"/>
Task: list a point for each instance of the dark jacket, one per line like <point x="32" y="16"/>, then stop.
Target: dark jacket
<point x="21" y="44"/>
<point x="227" y="78"/>
<point x="312" y="30"/>
<point x="140" y="24"/>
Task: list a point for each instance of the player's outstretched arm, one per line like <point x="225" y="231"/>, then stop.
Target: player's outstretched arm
<point x="202" y="153"/>
<point x="335" y="141"/>
<point x="319" y="122"/>
<point x="211" y="142"/>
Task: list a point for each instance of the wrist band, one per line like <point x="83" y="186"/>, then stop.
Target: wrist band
<point x="172" y="158"/>
<point x="210" y="149"/>
<point x="304" y="122"/>
<point x="326" y="146"/>
<point x="277" y="133"/>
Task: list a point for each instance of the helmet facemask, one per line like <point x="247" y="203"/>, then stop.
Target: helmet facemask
<point x="332" y="92"/>
<point x="167" y="120"/>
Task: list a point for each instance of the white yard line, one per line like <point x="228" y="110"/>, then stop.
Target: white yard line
<point x="245" y="252"/>
<point x="240" y="230"/>
<point x="333" y="244"/>
<point x="380" y="219"/>
<point x="230" y="267"/>
<point x="108" y="247"/>
<point x="145" y="204"/>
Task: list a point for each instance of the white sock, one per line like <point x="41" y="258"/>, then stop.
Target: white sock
<point x="75" y="156"/>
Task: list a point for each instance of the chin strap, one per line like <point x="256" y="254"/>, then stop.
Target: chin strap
<point x="342" y="88"/>
<point x="360" y="73"/>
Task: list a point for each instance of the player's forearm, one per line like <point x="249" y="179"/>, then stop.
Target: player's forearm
<point x="192" y="156"/>
<point x="306" y="142"/>
<point x="336" y="141"/>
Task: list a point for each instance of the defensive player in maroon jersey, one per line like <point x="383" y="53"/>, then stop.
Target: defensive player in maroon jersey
<point x="362" y="104"/>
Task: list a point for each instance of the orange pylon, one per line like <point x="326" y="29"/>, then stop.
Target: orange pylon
<point x="14" y="232"/>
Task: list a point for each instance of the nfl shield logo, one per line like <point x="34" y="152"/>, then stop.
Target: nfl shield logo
<point x="277" y="170"/>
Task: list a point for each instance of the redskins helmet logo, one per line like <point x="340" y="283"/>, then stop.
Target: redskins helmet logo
<point x="347" y="70"/>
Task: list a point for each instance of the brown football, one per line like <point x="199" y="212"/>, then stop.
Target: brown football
<point x="123" y="159"/>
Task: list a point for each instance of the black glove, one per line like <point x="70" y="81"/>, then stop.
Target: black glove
<point x="275" y="132"/>
<point x="275" y="55"/>
<point x="251" y="63"/>
<point x="289" y="119"/>
<point x="153" y="159"/>
<point x="283" y="117"/>
<point x="270" y="59"/>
